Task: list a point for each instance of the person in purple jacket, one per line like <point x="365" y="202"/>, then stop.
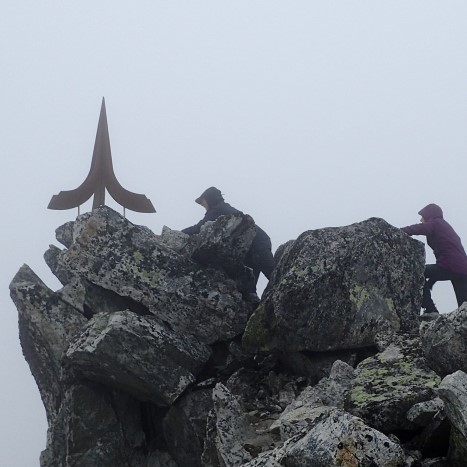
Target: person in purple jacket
<point x="451" y="260"/>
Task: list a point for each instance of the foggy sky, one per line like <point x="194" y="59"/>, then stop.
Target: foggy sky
<point x="305" y="114"/>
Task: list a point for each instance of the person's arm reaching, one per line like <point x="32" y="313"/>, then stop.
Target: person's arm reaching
<point x="424" y="228"/>
<point x="210" y="215"/>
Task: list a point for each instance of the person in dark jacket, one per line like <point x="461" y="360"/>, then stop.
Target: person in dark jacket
<point x="451" y="260"/>
<point x="259" y="257"/>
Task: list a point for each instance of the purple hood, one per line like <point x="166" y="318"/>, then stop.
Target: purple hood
<point x="432" y="211"/>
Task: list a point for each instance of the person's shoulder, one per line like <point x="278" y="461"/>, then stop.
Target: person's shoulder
<point x="229" y="209"/>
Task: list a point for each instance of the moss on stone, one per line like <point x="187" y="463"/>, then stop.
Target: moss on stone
<point x="257" y="336"/>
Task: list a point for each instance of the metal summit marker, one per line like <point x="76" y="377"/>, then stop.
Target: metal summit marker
<point x="101" y="176"/>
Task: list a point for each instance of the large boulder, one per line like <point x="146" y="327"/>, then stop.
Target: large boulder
<point x="224" y="243"/>
<point x="331" y="391"/>
<point x="337" y="288"/>
<point x="138" y="355"/>
<point x="231" y="439"/>
<point x="387" y="385"/>
<point x="334" y="438"/>
<point x="444" y="341"/>
<point x="185" y="427"/>
<point x="111" y="253"/>
<point x="101" y="428"/>
<point x="453" y="392"/>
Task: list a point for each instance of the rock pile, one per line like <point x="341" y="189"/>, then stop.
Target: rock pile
<point x="148" y="356"/>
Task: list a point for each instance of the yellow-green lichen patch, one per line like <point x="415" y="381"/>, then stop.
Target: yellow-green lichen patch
<point x="358" y="296"/>
<point x="381" y="380"/>
<point x="138" y="257"/>
<point x="150" y="278"/>
<point x="257" y="335"/>
<point x="390" y="304"/>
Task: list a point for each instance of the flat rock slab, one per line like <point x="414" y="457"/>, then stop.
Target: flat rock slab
<point x="138" y="355"/>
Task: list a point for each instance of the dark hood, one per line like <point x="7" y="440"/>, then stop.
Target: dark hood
<point x="212" y="195"/>
<point x="432" y="211"/>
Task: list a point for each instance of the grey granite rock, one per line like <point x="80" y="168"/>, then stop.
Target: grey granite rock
<point x="138" y="355"/>
<point x="113" y="254"/>
<point x="185" y="427"/>
<point x="337" y="288"/>
<point x="331" y="391"/>
<point x="453" y="392"/>
<point x="387" y="385"/>
<point x="422" y="413"/>
<point x="444" y="341"/>
<point x="335" y="438"/>
<point x="47" y="325"/>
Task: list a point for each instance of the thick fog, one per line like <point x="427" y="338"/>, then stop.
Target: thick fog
<point x="305" y="114"/>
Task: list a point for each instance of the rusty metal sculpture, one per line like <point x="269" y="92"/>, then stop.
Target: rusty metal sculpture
<point x="101" y="176"/>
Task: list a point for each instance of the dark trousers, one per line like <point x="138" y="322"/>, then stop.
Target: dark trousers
<point x="435" y="273"/>
<point x="260" y="259"/>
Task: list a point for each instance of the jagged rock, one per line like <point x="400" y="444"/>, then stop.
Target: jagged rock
<point x="453" y="392"/>
<point x="185" y="427"/>
<point x="336" y="438"/>
<point x="336" y="288"/>
<point x="138" y="355"/>
<point x="47" y="325"/>
<point x="110" y="252"/>
<point x="221" y="244"/>
<point x="64" y="234"/>
<point x="444" y="341"/>
<point x="330" y="391"/>
<point x="433" y="439"/>
<point x="422" y="413"/>
<point x="387" y="385"/>
<point x="178" y="241"/>
<point x="224" y="243"/>
<point x="235" y="440"/>
<point x="209" y="457"/>
<point x="97" y="433"/>
<point x="316" y="365"/>
<point x="232" y="428"/>
<point x="94" y="427"/>
<point x="132" y="353"/>
<point x="457" y="454"/>
<point x="331" y="438"/>
<point x="87" y="297"/>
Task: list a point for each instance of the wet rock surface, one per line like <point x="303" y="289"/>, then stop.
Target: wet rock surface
<point x="144" y="358"/>
<point x="445" y="341"/>
<point x="337" y="288"/>
<point x="387" y="385"/>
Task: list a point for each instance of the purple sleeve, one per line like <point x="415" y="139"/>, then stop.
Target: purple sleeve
<point x="419" y="229"/>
